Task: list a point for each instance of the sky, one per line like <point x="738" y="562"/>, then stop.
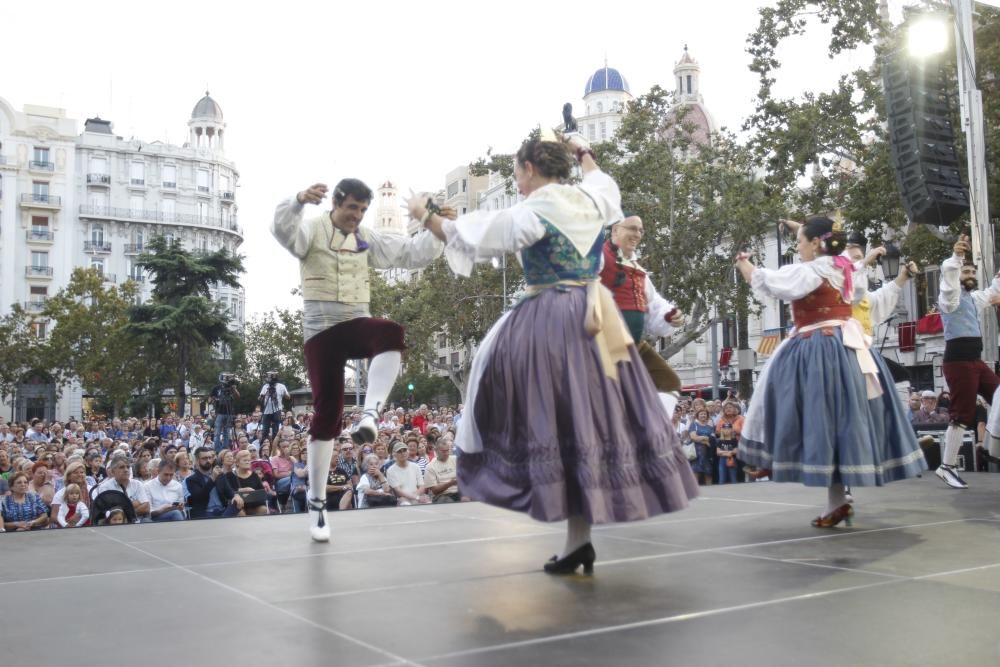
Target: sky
<point x="405" y="91"/>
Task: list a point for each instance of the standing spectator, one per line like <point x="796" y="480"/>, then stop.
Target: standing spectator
<point x="914" y="407"/>
<point x="702" y="434"/>
<point x="168" y="429"/>
<point x="22" y="509"/>
<point x="405" y="478"/>
<point x="73" y="512"/>
<point x="420" y="419"/>
<point x="272" y="397"/>
<point x="440" y="477"/>
<point x="725" y="447"/>
<point x="166" y="495"/>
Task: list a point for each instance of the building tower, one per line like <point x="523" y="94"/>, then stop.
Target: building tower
<point x="605" y="98"/>
<point x="206" y="125"/>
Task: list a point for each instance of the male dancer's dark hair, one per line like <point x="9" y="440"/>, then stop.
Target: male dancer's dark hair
<point x="351" y="187"/>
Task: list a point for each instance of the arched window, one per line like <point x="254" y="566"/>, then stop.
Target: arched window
<point x="600" y="107"/>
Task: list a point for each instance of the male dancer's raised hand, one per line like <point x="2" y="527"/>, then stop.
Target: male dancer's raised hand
<point x="313" y="195"/>
<point x="962" y="246"/>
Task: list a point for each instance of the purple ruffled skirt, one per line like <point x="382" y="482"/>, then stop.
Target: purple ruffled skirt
<point x="559" y="438"/>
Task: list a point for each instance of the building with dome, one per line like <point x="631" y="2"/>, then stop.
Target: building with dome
<point x="687" y="74"/>
<point x="604" y="101"/>
<point x="95" y="199"/>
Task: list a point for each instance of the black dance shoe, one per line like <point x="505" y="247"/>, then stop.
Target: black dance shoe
<point x="584" y="555"/>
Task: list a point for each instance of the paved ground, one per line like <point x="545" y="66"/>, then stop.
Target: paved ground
<point x="740" y="578"/>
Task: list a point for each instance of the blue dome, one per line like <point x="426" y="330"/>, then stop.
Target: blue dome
<point x="606" y="78"/>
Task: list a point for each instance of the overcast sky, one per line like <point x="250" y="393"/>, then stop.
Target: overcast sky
<point x="400" y="90"/>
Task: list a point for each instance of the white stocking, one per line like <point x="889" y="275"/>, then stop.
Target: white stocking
<point x="577" y="534"/>
<point x="320" y="452"/>
<point x="952" y="443"/>
<point x="382" y="372"/>
<point x="836" y="496"/>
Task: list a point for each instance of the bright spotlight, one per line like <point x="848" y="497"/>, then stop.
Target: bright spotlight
<point x="927" y="37"/>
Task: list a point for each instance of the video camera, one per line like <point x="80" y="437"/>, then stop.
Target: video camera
<point x="228" y="379"/>
<point x="272" y="377"/>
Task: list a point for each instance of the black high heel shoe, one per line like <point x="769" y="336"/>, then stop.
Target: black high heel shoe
<point x="584" y="555"/>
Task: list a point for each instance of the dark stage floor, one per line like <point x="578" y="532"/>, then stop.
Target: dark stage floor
<point x="740" y="578"/>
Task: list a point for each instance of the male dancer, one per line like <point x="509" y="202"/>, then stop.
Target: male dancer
<point x="642" y="307"/>
<point x="960" y="303"/>
<point x="335" y="254"/>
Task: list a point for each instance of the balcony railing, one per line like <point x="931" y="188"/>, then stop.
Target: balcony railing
<point x="40" y="235"/>
<point x="34" y="306"/>
<point x="98" y="179"/>
<point x="43" y="165"/>
<point x="137" y="181"/>
<point x="35" y="198"/>
<point x="228" y="196"/>
<point x="159" y="216"/>
<point x="137" y="279"/>
<point x="108" y="277"/>
<point x="133" y="248"/>
<point x="38" y="271"/>
<point x="96" y="246"/>
<point x="168" y="185"/>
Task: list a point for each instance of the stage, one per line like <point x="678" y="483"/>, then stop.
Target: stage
<point x="740" y="578"/>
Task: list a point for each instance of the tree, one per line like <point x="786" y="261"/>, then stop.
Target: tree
<point x="442" y="304"/>
<point x="181" y="319"/>
<point x="273" y="341"/>
<point x="90" y="341"/>
<point x="20" y="349"/>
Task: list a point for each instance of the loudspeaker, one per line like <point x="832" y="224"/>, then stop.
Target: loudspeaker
<point x="921" y="140"/>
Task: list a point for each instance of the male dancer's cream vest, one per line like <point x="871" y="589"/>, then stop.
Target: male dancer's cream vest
<point x="331" y="274"/>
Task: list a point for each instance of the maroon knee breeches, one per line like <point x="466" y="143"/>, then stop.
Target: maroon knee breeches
<point x="965" y="380"/>
<point x="326" y="354"/>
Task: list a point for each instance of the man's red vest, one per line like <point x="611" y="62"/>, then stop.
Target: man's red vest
<point x="630" y="292"/>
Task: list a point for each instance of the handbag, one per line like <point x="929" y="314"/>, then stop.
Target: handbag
<point x="254" y="498"/>
<point x="689" y="451"/>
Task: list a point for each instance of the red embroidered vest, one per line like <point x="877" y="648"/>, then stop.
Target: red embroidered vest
<point x="630" y="290"/>
<point x="823" y="303"/>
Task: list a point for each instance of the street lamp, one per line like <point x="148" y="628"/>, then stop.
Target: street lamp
<point x="927" y="36"/>
<point x="890" y="261"/>
<point x="972" y="124"/>
<point x="502" y="264"/>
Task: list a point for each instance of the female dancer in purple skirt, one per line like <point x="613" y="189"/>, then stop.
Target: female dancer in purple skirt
<point x="562" y="420"/>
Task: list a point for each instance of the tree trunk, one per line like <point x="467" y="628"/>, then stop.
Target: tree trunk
<point x="179" y="394"/>
<point x="693" y="331"/>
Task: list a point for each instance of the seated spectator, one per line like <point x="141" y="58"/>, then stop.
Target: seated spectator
<point x="343" y="476"/>
<point x="281" y="466"/>
<point x="441" y="477"/>
<point x="166" y="495"/>
<point x="929" y="412"/>
<point x="242" y="488"/>
<point x="405" y="478"/>
<point x="22" y="509"/>
<point x="76" y="473"/>
<point x="96" y="471"/>
<point x="201" y="483"/>
<point x="73" y="512"/>
<point x="373" y="488"/>
<point x="300" y="476"/>
<point x="41" y="479"/>
<point x="133" y="488"/>
<point x="183" y="463"/>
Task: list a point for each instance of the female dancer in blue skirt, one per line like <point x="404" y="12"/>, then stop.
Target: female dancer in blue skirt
<point x="562" y="420"/>
<point x="828" y="414"/>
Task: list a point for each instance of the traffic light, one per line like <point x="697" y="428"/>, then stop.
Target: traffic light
<point x="922" y="140"/>
<point x="409" y="387"/>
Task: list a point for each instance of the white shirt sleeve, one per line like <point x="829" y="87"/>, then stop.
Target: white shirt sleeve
<point x="290" y="229"/>
<point x="482" y="235"/>
<point x="656" y="324"/>
<point x="983" y="296"/>
<point x="605" y="193"/>
<point x="83" y="512"/>
<point x="883" y="301"/>
<point x="949" y="289"/>
<point x="790" y="282"/>
<point x="395" y="251"/>
<point x="61" y="517"/>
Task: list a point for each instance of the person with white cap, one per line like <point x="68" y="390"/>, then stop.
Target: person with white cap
<point x="929" y="412"/>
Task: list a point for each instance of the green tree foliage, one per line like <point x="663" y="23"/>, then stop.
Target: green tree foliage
<point x="90" y="341"/>
<point x="181" y="319"/>
<point x="21" y="351"/>
<point x="273" y="341"/>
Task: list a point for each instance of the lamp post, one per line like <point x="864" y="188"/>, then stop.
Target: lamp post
<point x="890" y="261"/>
<point x="502" y="265"/>
<point x="922" y="41"/>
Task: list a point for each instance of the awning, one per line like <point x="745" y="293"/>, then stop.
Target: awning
<point x="768" y="344"/>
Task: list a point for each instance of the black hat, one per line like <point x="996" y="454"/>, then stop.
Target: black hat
<point x="857" y="238"/>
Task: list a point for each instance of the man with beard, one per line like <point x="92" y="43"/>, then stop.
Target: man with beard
<point x="201" y="482"/>
<point x="642" y="307"/>
<point x="966" y="374"/>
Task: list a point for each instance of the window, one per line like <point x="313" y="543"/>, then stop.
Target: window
<point x="689" y="84"/>
<point x="442" y="340"/>
<point x="225" y="183"/>
<point x="169" y="179"/>
<point x="202" y="211"/>
<point x="136" y="203"/>
<point x="454" y="359"/>
<point x="39" y="260"/>
<point x="203" y="180"/>
<point x="168" y="206"/>
<point x="40" y="158"/>
<point x="39" y="226"/>
<point x="39" y="293"/>
<point x="443" y="361"/>
<point x="452" y="189"/>
<point x="590" y="132"/>
<point x="97" y="235"/>
<point x="465" y="185"/>
<point x="135" y="272"/>
<point x="927" y="284"/>
<point x="99" y="200"/>
<point x="98" y="165"/>
<point x="38" y="329"/>
<point x="97" y="264"/>
<point x="600" y="107"/>
<point x="680" y="86"/>
<point x="604" y="130"/>
<point x="40" y="191"/>
<point x="137" y="173"/>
